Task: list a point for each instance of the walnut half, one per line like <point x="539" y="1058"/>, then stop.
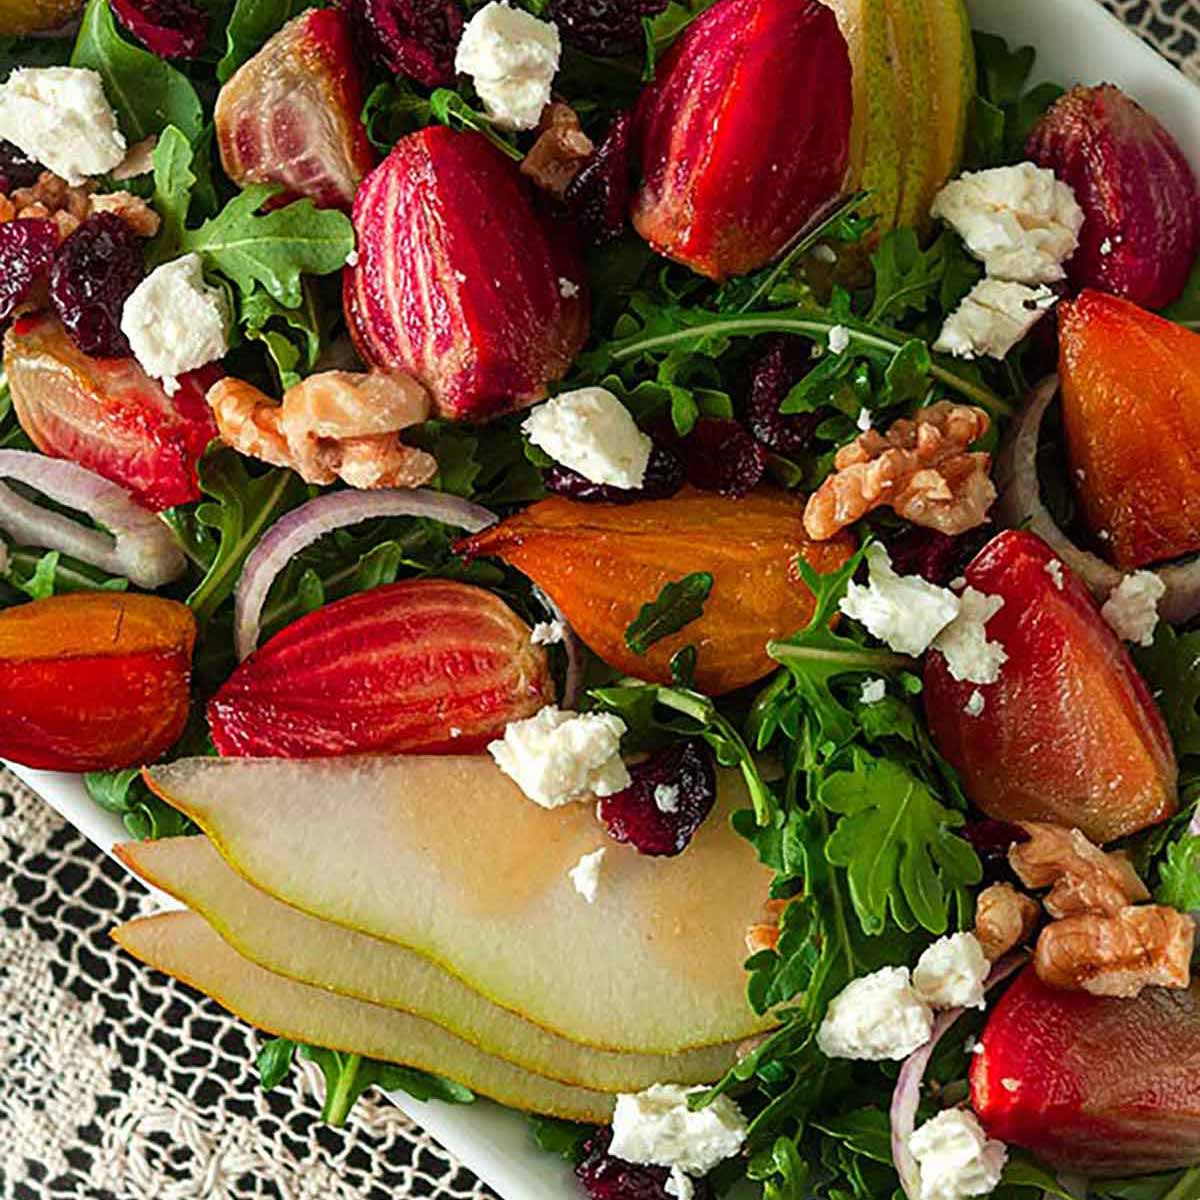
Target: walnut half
<point x="1004" y="919"/>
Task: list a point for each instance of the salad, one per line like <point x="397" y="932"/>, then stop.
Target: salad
<point x="631" y="558"/>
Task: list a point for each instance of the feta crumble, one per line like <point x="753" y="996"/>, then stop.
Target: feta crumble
<point x="951" y="973"/>
<point x="839" y="339"/>
<point x="1020" y="221"/>
<point x="680" y="1185"/>
<point x="873" y="691"/>
<point x="556" y="757"/>
<point x="1054" y="569"/>
<point x="864" y="419"/>
<point x="956" y="1158"/>
<point x="666" y="797"/>
<point x="566" y="289"/>
<point x="352" y="259"/>
<point x="993" y="318"/>
<point x="548" y="633"/>
<point x="877" y="1016"/>
<point x="60" y="117"/>
<point x="975" y="704"/>
<point x="657" y="1128"/>
<point x="592" y="432"/>
<point x="1132" y="607"/>
<point x="175" y="322"/>
<point x="905" y="611"/>
<point x="512" y="58"/>
<point x="970" y="657"/>
<point x="585" y="874"/>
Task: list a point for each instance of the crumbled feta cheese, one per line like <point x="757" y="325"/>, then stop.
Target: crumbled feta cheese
<point x="951" y="973"/>
<point x="512" y="57"/>
<point x="1020" y="221"/>
<point x="964" y="643"/>
<point x="905" y="611"/>
<point x="585" y="874"/>
<point x="1106" y="247"/>
<point x="1010" y="1085"/>
<point x="1132" y="607"/>
<point x="548" y="633"/>
<point x="175" y="322"/>
<point x="60" y="117"/>
<point x="1054" y="569"/>
<point x="993" y="318"/>
<point x="955" y="1157"/>
<point x="975" y="704"/>
<point x="657" y="1128"/>
<point x="824" y="253"/>
<point x="876" y="1016"/>
<point x="566" y="289"/>
<point x="591" y="432"/>
<point x="557" y="757"/>
<point x="839" y="339"/>
<point x="864" y="419"/>
<point x="680" y="1185"/>
<point x="666" y="797"/>
<point x="455" y="732"/>
<point x="352" y="259"/>
<point x="873" y="691"/>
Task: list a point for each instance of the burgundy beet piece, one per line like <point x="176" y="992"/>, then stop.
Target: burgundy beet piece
<point x="605" y="1177"/>
<point x="604" y="28"/>
<point x="416" y="38"/>
<point x="784" y="363"/>
<point x="168" y="28"/>
<point x="664" y="477"/>
<point x="599" y="195"/>
<point x="26" y="251"/>
<point x="722" y="457"/>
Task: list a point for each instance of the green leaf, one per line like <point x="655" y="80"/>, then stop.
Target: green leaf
<point x="40" y="584"/>
<point x="144" y="814"/>
<point x="147" y="93"/>
<point x="896" y="841"/>
<point x="779" y="975"/>
<point x="173" y="183"/>
<point x="250" y="24"/>
<point x="678" y="604"/>
<point x="1179" y="875"/>
<point x="392" y="110"/>
<point x="1171" y="667"/>
<point x="865" y="1130"/>
<point x="274" y="1062"/>
<point x="1186" y="310"/>
<point x="1005" y="112"/>
<point x="292" y="336"/>
<point x="564" y="1139"/>
<point x="272" y="249"/>
<point x="908" y="279"/>
<point x="447" y="107"/>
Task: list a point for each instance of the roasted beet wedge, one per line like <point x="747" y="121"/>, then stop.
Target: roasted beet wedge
<point x="1069" y="732"/>
<point x="461" y="280"/>
<point x="291" y="114"/>
<point x="1131" y="410"/>
<point x="107" y="414"/>
<point x="1091" y="1083"/>
<point x="168" y="28"/>
<point x="421" y="667"/>
<point x="744" y="137"/>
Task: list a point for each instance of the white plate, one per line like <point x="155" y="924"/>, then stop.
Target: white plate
<point x="1077" y="41"/>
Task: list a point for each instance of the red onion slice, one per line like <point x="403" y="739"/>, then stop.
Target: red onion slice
<point x="1021" y="506"/>
<point x="906" y="1097"/>
<point x="573" y="683"/>
<point x="302" y="526"/>
<point x="137" y="545"/>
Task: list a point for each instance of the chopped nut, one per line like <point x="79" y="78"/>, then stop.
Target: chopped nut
<point x="559" y="152"/>
<point x="921" y="468"/>
<point x="1081" y="876"/>
<point x="1004" y="918"/>
<point x="133" y="210"/>
<point x="1118" y="955"/>
<point x="765" y="936"/>
<point x="138" y="160"/>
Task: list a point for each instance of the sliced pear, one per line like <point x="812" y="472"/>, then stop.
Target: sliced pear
<point x="913" y="48"/>
<point x="183" y="945"/>
<point x="288" y="942"/>
<point x="953" y="59"/>
<point x="447" y="857"/>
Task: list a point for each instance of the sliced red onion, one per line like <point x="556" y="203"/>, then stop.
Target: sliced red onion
<point x="906" y="1097"/>
<point x="1021" y="507"/>
<point x="298" y="529"/>
<point x="133" y="543"/>
<point x="573" y="683"/>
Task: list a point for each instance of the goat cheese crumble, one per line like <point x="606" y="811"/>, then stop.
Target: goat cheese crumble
<point x="877" y="1016"/>
<point x="975" y="704"/>
<point x="970" y="657"/>
<point x="512" y="58"/>
<point x="952" y="972"/>
<point x="873" y="691"/>
<point x="839" y="339"/>
<point x="1132" y="607"/>
<point x="592" y="432"/>
<point x="175" y="322"/>
<point x="585" y="874"/>
<point x="666" y="797"/>
<point x="60" y="117"/>
<point x="993" y="318"/>
<point x="1054" y="569"/>
<point x="556" y="757"/>
<point x="956" y="1158"/>
<point x="548" y="633"/>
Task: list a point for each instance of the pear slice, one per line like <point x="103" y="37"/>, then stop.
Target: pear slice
<point x="953" y="60"/>
<point x="183" y="945"/>
<point x="912" y="47"/>
<point x="288" y="942"/>
<point x="447" y="857"/>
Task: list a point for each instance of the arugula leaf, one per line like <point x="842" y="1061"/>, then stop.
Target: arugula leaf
<point x="274" y="1062"/>
<point x="1171" y="667"/>
<point x="292" y="336"/>
<point x="896" y="842"/>
<point x="1179" y="875"/>
<point x="1186" y="310"/>
<point x="250" y="24"/>
<point x="563" y="1139"/>
<point x="679" y="603"/>
<point x="173" y="183"/>
<point x="147" y="93"/>
<point x="39" y="574"/>
<point x="36" y="50"/>
<point x="910" y="280"/>
<point x="144" y="814"/>
<point x="447" y="107"/>
<point x="392" y="110"/>
<point x="1005" y="113"/>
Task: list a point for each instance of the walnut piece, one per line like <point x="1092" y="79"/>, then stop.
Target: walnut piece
<point x="1082" y="878"/>
<point x="337" y="424"/>
<point x="921" y="468"/>
<point x="1118" y="955"/>
<point x="133" y="210"/>
<point x="1004" y="919"/>
<point x="559" y="152"/>
<point x="765" y="935"/>
<point x="68" y="207"/>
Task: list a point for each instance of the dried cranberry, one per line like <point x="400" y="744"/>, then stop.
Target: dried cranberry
<point x="168" y="28"/>
<point x="667" y="801"/>
<point x="94" y="272"/>
<point x="723" y="457"/>
<point x="599" y="195"/>
<point x="784" y="363"/>
<point x="664" y="477"/>
<point x="605" y="28"/>
<point x="17" y="169"/>
<point x="992" y="841"/>
<point x="416" y="38"/>
<point x="935" y="556"/>
<point x="26" y="252"/>
<point x="605" y="1177"/>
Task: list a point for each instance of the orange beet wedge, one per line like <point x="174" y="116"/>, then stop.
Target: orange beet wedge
<point x="1069" y="732"/>
<point x="600" y="563"/>
<point x="1131" y="409"/>
<point x="93" y="681"/>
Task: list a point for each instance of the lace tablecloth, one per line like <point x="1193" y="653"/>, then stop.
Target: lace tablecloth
<point x="119" y="1084"/>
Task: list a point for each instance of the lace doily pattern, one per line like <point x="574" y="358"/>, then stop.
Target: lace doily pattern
<point x="119" y="1084"/>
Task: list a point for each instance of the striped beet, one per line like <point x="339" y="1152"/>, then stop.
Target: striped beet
<point x="424" y="666"/>
<point x="461" y="280"/>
